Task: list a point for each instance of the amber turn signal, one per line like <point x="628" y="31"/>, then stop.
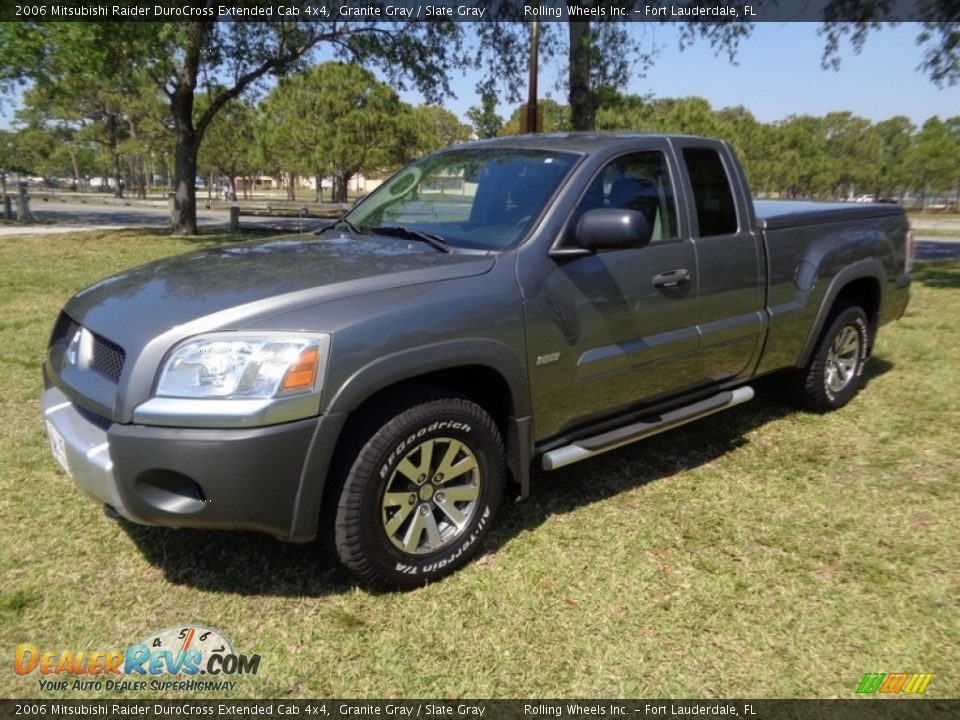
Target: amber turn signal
<point x="303" y="372"/>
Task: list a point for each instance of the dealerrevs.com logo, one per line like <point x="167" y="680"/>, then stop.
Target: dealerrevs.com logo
<point x="183" y="658"/>
<point x="894" y="683"/>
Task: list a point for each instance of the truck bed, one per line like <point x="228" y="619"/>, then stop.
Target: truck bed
<point x="773" y="214"/>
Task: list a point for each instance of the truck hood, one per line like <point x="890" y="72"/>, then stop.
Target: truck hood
<point x="230" y="286"/>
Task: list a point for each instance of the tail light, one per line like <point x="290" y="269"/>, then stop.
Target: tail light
<point x="910" y="249"/>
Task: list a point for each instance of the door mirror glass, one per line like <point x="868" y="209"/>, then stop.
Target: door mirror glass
<point x="612" y="229"/>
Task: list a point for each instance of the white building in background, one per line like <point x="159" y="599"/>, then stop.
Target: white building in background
<point x="359" y="183"/>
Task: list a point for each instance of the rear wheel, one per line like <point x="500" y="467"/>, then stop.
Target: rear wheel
<point x="421" y="494"/>
<point x="832" y="377"/>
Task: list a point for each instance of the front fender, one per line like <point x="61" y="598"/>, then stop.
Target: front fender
<point x="407" y="364"/>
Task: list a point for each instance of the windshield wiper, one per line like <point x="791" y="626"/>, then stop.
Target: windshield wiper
<point x="350" y="226"/>
<point x="413" y="234"/>
<point x="354" y="230"/>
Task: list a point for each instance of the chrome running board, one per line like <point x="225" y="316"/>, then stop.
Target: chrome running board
<point x="590" y="447"/>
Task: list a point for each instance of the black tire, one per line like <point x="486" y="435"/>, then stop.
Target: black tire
<point x="832" y="377"/>
<point x="398" y="524"/>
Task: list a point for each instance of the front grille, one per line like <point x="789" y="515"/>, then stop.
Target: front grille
<point x="107" y="358"/>
<point x="97" y="419"/>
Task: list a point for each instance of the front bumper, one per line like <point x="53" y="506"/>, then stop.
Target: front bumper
<point x="266" y="478"/>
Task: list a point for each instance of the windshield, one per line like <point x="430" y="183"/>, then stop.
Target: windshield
<point x="481" y="198"/>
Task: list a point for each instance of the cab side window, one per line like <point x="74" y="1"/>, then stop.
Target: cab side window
<point x="641" y="182"/>
<point x="712" y="197"/>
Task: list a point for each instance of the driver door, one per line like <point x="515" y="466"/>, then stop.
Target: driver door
<point x="611" y="329"/>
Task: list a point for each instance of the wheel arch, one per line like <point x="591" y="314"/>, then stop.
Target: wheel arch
<point x="441" y="363"/>
<point x="858" y="284"/>
<point x="482" y="371"/>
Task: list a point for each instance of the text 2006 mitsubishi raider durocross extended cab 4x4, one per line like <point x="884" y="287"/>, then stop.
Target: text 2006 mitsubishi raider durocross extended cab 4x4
<point x="529" y="299"/>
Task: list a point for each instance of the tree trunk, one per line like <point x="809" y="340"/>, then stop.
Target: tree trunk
<point x="140" y="176"/>
<point x="291" y="186"/>
<point x="137" y="163"/>
<point x="117" y="179"/>
<point x="186" y="138"/>
<point x="113" y="140"/>
<point x="340" y="182"/>
<point x="184" y="215"/>
<point x="582" y="100"/>
<point x="319" y="181"/>
<point x="77" y="180"/>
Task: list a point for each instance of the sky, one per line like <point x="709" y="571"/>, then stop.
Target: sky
<point x="777" y="74"/>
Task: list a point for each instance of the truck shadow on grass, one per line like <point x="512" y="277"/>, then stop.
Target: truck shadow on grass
<point x="255" y="564"/>
<point x="944" y="274"/>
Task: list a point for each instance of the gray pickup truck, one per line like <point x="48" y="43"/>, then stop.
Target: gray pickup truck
<point x="538" y="299"/>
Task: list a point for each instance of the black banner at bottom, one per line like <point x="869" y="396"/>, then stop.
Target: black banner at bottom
<point x="857" y="709"/>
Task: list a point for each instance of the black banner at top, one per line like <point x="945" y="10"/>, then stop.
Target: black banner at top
<point x="482" y="10"/>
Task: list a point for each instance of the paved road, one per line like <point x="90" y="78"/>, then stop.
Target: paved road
<point x="936" y="248"/>
<point x="81" y="216"/>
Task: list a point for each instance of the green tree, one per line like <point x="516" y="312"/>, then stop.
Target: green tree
<point x="933" y="159"/>
<point x="896" y="139"/>
<point x="486" y="123"/>
<point x="335" y="119"/>
<point x="285" y="134"/>
<point x="12" y="159"/>
<point x="228" y="148"/>
<point x="28" y="151"/>
<point x="751" y="140"/>
<point x="149" y="131"/>
<point x="87" y="103"/>
<point x="953" y="129"/>
<point x="853" y="150"/>
<point x="626" y="112"/>
<point x="181" y="56"/>
<point x="690" y="116"/>
<point x="799" y="144"/>
<point x="431" y="127"/>
<point x="556" y="118"/>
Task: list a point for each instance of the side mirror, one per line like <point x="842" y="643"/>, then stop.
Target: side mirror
<point x="612" y="229"/>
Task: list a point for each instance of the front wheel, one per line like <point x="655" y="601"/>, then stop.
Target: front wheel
<point x="832" y="377"/>
<point x="421" y="494"/>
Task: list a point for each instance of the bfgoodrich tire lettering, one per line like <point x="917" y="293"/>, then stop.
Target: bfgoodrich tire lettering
<point x="421" y="494"/>
<point x="832" y="377"/>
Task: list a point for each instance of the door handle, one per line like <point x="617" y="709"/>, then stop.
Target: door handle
<point x="671" y="278"/>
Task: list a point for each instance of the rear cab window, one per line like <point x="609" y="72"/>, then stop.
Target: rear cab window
<point x="716" y="211"/>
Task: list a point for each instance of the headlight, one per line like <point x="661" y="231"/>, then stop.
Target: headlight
<point x="245" y="366"/>
<point x="71" y="358"/>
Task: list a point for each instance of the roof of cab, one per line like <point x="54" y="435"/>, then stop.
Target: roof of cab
<point x="582" y="142"/>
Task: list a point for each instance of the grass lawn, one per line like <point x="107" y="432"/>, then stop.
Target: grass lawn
<point x="762" y="552"/>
